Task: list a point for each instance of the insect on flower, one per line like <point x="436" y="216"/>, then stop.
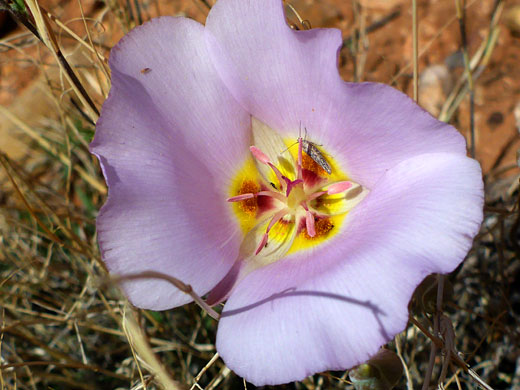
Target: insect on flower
<point x="313" y="152"/>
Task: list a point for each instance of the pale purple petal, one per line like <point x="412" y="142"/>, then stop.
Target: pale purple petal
<point x="276" y="73"/>
<point x="334" y="307"/>
<point x="169" y="138"/>
<point x="289" y="78"/>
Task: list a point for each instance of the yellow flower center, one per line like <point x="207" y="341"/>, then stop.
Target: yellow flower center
<point x="289" y="196"/>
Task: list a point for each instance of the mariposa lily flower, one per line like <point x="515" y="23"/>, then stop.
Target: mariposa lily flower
<point x="239" y="162"/>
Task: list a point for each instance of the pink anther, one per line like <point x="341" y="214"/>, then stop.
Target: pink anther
<point x="259" y="155"/>
<point x="309" y="223"/>
<point x="238" y="198"/>
<point x="337" y="188"/>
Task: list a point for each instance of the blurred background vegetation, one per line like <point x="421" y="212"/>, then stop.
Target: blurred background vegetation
<point x="62" y="326"/>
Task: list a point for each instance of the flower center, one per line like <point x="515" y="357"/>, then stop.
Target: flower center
<point x="288" y="198"/>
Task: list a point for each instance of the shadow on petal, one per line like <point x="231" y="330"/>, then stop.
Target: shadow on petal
<point x="293" y="292"/>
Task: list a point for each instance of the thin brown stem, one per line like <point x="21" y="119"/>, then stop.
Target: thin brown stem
<point x="185" y="288"/>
